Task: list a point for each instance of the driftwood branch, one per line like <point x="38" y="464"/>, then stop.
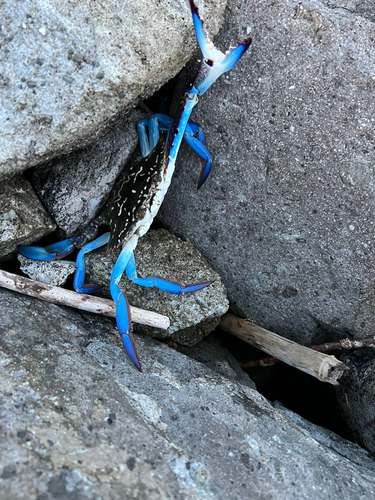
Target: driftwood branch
<point x="321" y="366"/>
<point x="84" y="302"/>
<point x="341" y="345"/>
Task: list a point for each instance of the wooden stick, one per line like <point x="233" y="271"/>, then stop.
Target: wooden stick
<point x="341" y="345"/>
<point x="84" y="302"/>
<point x="321" y="366"/>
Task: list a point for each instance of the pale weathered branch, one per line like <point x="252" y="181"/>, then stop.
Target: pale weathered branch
<point x="83" y="302"/>
<point x="323" y="367"/>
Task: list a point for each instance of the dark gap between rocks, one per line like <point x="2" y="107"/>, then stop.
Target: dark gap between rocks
<point x="313" y="400"/>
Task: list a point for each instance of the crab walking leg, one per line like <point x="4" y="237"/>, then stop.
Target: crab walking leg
<point x="193" y="135"/>
<point x="79" y="277"/>
<point x="148" y="143"/>
<point x="164" y="121"/>
<point x="160" y="283"/>
<point x="155" y="124"/>
<point x="195" y="138"/>
<point x="51" y="252"/>
<point x="123" y="316"/>
<point x="194" y="129"/>
<point x="62" y="248"/>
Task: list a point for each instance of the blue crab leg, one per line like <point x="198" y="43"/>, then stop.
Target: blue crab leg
<point x="161" y="283"/>
<point x="197" y="144"/>
<point x="148" y="142"/>
<point x="79" y="277"/>
<point x="153" y="131"/>
<point x="50" y="252"/>
<point x="143" y="139"/>
<point x="165" y="122"/>
<point x="191" y="101"/>
<point x="196" y="130"/>
<point x="123" y="315"/>
<point x="193" y="135"/>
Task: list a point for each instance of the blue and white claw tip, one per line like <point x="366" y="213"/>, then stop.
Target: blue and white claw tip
<point x="207" y="47"/>
<point x="214" y="62"/>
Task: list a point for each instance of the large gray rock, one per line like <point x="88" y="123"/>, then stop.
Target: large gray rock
<point x="22" y="216"/>
<point x="79" y="421"/>
<point x="342" y="446"/>
<point x="67" y="68"/>
<point x="286" y="217"/>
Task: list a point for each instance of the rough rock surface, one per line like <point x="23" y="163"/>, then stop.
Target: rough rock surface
<point x="77" y="420"/>
<point x="22" y="216"/>
<point x="69" y="67"/>
<point x="210" y="351"/>
<point x="75" y="186"/>
<point x="356" y="397"/>
<point x="287" y="215"/>
<point x="343" y="447"/>
<point x="363" y="8"/>
<point x="53" y="273"/>
<point x="161" y="254"/>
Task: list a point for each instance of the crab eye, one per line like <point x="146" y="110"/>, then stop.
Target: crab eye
<point x="209" y="62"/>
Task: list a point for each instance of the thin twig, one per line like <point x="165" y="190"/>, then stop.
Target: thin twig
<point x="84" y="302"/>
<point x="341" y="345"/>
<point x="344" y="345"/>
<point x="323" y="367"/>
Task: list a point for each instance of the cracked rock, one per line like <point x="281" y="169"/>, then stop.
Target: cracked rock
<point x="52" y="272"/>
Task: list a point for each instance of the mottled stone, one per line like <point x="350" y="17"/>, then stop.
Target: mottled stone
<point x="343" y="447"/>
<point x="68" y="68"/>
<point x="363" y="8"/>
<point x="79" y="421"/>
<point x="52" y="272"/>
<point x="22" y="216"/>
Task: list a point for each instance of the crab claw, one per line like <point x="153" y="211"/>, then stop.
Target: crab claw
<point x="215" y="63"/>
<point x="51" y="252"/>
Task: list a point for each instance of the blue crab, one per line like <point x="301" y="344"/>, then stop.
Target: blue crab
<point x="140" y="189"/>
